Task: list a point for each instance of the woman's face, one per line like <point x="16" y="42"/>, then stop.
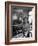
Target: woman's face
<point x="26" y="20"/>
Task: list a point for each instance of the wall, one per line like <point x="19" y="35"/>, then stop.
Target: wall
<point x="2" y="23"/>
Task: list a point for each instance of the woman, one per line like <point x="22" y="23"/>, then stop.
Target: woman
<point x="26" y="27"/>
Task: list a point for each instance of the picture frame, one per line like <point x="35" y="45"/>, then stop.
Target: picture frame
<point x="17" y="32"/>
